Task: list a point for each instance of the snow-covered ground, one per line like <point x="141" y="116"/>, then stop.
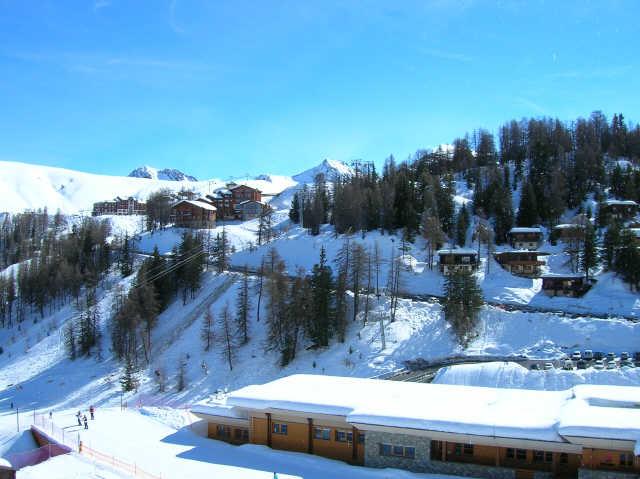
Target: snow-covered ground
<point x="513" y="375"/>
<point x="168" y="442"/>
<point x="26" y="186"/>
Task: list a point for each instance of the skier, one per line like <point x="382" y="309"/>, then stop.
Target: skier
<point x="86" y="424"/>
<point x="79" y="418"/>
<point x="91" y="410"/>
<point x="50" y="415"/>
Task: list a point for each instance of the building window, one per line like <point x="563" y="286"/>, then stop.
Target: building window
<point x="463" y="449"/>
<point x="360" y="438"/>
<point x="519" y="454"/>
<point x="280" y="429"/>
<point x="626" y="460"/>
<point x="344" y="436"/>
<point x="564" y="458"/>
<point x="241" y="434"/>
<point x="322" y="433"/>
<point x="407" y="452"/>
<point x="542" y="456"/>
<point x="223" y="431"/>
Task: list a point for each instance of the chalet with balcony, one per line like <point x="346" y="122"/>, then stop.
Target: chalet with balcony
<point x="521" y="262"/>
<point x="619" y="209"/>
<point x="583" y="432"/>
<point x="227" y="200"/>
<point x="525" y="238"/>
<point x="250" y="209"/>
<point x="120" y="206"/>
<point x="457" y="259"/>
<point x="568" y="232"/>
<point x="194" y="214"/>
<point x="571" y="285"/>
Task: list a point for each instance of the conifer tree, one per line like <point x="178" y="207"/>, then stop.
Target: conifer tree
<point x="126" y="259"/>
<point x="528" y="210"/>
<point x="462" y="304"/>
<point x="589" y="254"/>
<point x="628" y="259"/>
<point x="462" y="225"/>
<point x="611" y="245"/>
<point x="70" y="340"/>
<point x="294" y="211"/>
<point x="206" y="333"/>
<point x="243" y="307"/>
<point x="320" y="319"/>
<point x="129" y="379"/>
<point x="227" y="338"/>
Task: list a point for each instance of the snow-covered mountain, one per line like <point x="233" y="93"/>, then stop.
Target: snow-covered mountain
<point x="168" y="174"/>
<point x="26" y="186"/>
<point x="329" y="168"/>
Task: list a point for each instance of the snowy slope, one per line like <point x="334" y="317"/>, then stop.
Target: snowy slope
<point x="25" y="186"/>
<point x="513" y="375"/>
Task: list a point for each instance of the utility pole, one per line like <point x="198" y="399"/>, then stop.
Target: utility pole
<point x="17" y="419"/>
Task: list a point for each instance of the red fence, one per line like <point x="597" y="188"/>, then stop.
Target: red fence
<point x="116" y="463"/>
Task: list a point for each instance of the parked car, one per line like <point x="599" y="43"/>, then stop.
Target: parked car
<point x="611" y="365"/>
<point x="636" y="356"/>
<point x="587" y="355"/>
<point x="582" y="364"/>
<point x="611" y="356"/>
<point x="624" y="356"/>
<point x="598" y="364"/>
<point x="576" y="355"/>
<point x="535" y="367"/>
<point x="598" y="355"/>
<point x="568" y="365"/>
<point x="548" y="366"/>
<point x="627" y="363"/>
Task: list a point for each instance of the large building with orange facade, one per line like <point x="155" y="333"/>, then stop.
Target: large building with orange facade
<point x="586" y="432"/>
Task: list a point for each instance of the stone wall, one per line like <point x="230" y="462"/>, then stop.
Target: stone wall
<point x="422" y="461"/>
<point x="372" y="457"/>
<point x="593" y="474"/>
<point x="470" y="470"/>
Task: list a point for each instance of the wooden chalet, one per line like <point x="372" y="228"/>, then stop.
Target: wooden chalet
<point x="567" y="232"/>
<point x="119" y="206"/>
<point x="249" y="209"/>
<point x="620" y="209"/>
<point x="525" y="238"/>
<point x="457" y="259"/>
<point x="571" y="285"/>
<point x="227" y="200"/>
<point x="194" y="214"/>
<point x="521" y="262"/>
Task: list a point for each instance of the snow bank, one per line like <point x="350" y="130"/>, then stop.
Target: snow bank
<point x="513" y="375"/>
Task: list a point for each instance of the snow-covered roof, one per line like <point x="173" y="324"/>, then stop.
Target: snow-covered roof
<point x="587" y="411"/>
<point x="199" y="204"/>
<point x="521" y="229"/>
<point x="464" y="251"/>
<point x="251" y="201"/>
<point x="565" y="226"/>
<point x="635" y="231"/>
<point x="563" y="275"/>
<point x="524" y="252"/>
<point x="234" y="187"/>
<point x="621" y="202"/>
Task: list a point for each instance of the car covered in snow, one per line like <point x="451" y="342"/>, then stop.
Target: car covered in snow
<point x="598" y="364"/>
<point x="587" y="355"/>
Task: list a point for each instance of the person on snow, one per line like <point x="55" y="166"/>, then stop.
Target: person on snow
<point x="91" y="411"/>
<point x="79" y="418"/>
<point x="86" y="424"/>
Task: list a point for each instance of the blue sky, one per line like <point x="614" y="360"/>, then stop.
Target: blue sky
<point x="223" y="89"/>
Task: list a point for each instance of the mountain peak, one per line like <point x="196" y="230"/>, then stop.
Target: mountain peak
<point x="329" y="168"/>
<point x="168" y="174"/>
